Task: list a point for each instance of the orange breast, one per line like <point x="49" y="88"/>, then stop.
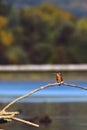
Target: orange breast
<point x="59" y="78"/>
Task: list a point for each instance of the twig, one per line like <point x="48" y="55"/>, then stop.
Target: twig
<point x="24" y="121"/>
<point x="75" y="86"/>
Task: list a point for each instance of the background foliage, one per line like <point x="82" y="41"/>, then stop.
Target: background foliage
<point x="41" y="34"/>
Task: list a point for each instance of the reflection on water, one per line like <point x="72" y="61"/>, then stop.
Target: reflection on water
<point x="64" y="116"/>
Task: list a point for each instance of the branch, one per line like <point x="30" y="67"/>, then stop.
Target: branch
<point x="40" y="88"/>
<point x="28" y="94"/>
<point x="75" y="86"/>
<point x="24" y="121"/>
<point x="11" y="115"/>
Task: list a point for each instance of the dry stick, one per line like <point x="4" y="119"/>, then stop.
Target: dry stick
<point x="40" y="88"/>
<point x="28" y="94"/>
<point x="24" y="121"/>
<point x="75" y="86"/>
<point x="21" y="97"/>
<point x="12" y="117"/>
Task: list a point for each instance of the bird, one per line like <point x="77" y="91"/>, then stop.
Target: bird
<point x="59" y="78"/>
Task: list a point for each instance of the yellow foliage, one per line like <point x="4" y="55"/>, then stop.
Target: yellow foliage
<point x="82" y="24"/>
<point x="47" y="13"/>
<point x="6" y="38"/>
<point x="42" y="15"/>
<point x="50" y="13"/>
<point x="3" y="21"/>
<point x="48" y="8"/>
<point x="12" y="57"/>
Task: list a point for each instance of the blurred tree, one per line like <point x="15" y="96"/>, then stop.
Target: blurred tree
<point x="52" y="15"/>
<point x="39" y="26"/>
<point x="14" y="25"/>
<point x="7" y="38"/>
<point x="64" y="32"/>
<point x="78" y="46"/>
<point x="82" y="24"/>
<point x="79" y="53"/>
<point x="60" y="55"/>
<point x="35" y="31"/>
<point x="4" y="8"/>
<point x="40" y="54"/>
<point x="16" y="55"/>
<point x="3" y="22"/>
<point x="42" y="34"/>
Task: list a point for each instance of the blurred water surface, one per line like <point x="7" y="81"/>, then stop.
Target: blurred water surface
<point x="65" y="106"/>
<point x="9" y="90"/>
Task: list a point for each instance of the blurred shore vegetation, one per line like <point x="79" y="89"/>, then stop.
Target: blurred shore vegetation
<point x="42" y="34"/>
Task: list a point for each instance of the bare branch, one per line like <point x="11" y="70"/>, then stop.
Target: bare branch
<point x="75" y="86"/>
<point x="40" y="88"/>
<point x="24" y="121"/>
<point x="28" y="94"/>
<point x="11" y="115"/>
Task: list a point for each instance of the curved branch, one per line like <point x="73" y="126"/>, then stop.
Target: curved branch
<point x="40" y="88"/>
<point x="28" y="94"/>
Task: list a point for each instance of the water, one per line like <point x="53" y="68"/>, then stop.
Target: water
<point x="65" y="106"/>
<point x="11" y="90"/>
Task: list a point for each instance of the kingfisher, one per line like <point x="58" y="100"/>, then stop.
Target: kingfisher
<point x="59" y="78"/>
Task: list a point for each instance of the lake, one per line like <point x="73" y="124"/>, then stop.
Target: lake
<point x="9" y="90"/>
<point x="65" y="106"/>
